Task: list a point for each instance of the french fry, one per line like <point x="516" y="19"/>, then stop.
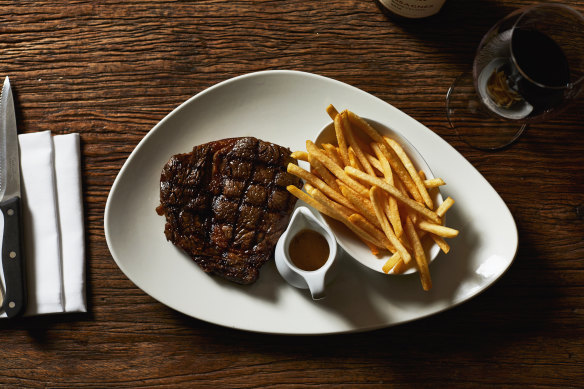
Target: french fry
<point x="321" y="198"/>
<point x="335" y="169"/>
<point x="419" y="255"/>
<point x="326" y="208"/>
<point x="414" y="217"/>
<point x="365" y="127"/>
<point x="399" y="267"/>
<point x="414" y="205"/>
<point x="318" y="183"/>
<point x="364" y="236"/>
<point x="353" y="161"/>
<point x="391" y="262"/>
<point x="300" y="155"/>
<point x="392" y="211"/>
<point x="333" y="153"/>
<point x="374" y="195"/>
<point x="445" y="247"/>
<point x="383" y="163"/>
<point x="323" y="172"/>
<point x="434" y="183"/>
<point x="354" y="144"/>
<point x="374" y="163"/>
<point x="332" y="211"/>
<point x="400" y="172"/>
<point x="341" y="133"/>
<point x="436" y="229"/>
<point x="374" y="249"/>
<point x="411" y="170"/>
<point x="363" y="205"/>
<point x="445" y="206"/>
<point x="310" y="201"/>
<point x="400" y="186"/>
<point x="332" y="111"/>
<point x="393" y="159"/>
<point x="359" y="221"/>
<point x="422" y="175"/>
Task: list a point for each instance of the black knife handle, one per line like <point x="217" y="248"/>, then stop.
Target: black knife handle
<point x="13" y="262"/>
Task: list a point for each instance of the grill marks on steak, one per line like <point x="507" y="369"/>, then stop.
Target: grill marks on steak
<point x="226" y="204"/>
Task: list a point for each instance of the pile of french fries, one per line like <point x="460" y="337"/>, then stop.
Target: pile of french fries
<point x="369" y="183"/>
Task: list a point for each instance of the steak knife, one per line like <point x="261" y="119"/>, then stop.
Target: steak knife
<point x="13" y="263"/>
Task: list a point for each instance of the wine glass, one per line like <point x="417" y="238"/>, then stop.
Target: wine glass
<point x="527" y="68"/>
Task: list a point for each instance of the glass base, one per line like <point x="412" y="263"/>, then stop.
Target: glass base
<point x="473" y="123"/>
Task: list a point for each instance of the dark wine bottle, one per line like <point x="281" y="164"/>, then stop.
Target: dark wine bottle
<point x="410" y="9"/>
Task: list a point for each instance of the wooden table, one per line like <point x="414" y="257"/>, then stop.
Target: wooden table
<point x="110" y="70"/>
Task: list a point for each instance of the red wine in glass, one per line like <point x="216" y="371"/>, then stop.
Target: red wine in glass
<point x="527" y="68"/>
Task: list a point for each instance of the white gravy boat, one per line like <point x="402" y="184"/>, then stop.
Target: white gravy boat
<point x="314" y="280"/>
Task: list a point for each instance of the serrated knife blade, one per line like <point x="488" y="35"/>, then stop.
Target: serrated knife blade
<point x="13" y="261"/>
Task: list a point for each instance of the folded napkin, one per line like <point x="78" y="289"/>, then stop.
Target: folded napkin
<point x="53" y="223"/>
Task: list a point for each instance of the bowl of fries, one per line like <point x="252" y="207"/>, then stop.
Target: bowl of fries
<point x="377" y="194"/>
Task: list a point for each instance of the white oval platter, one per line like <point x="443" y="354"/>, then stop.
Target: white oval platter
<point x="288" y="107"/>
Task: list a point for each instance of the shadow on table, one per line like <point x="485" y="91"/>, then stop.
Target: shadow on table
<point x="40" y="328"/>
<point x="458" y="28"/>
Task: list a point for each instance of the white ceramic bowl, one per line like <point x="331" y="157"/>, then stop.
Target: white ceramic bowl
<point x="345" y="237"/>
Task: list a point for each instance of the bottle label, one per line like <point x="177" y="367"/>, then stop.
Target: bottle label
<point x="413" y="8"/>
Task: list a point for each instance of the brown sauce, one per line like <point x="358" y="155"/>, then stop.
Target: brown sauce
<point x="308" y="250"/>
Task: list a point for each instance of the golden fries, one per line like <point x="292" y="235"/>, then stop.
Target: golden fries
<point x="445" y="206"/>
<point x="375" y="190"/>
<point x="380" y="239"/>
<point x="419" y="254"/>
<point x="439" y="230"/>
<point x="327" y="207"/>
<point x="335" y="168"/>
<point x="310" y="201"/>
<point x="322" y="172"/>
<point x="361" y="204"/>
<point x="434" y="183"/>
<point x="341" y="132"/>
<point x="393" y="159"/>
<point x="374" y="162"/>
<point x="355" y="145"/>
<point x="353" y="161"/>
<point x="333" y="153"/>
<point x="300" y="155"/>
<point x="411" y="170"/>
<point x="445" y="247"/>
<point x="400" y="171"/>
<point x="332" y="111"/>
<point x="392" y="209"/>
<point x="367" y="129"/>
<point x="391" y="262"/>
<point x="392" y="190"/>
<point x="318" y="183"/>
<point x="374" y="194"/>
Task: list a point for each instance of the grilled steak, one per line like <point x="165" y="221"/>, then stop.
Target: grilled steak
<point x="226" y="204"/>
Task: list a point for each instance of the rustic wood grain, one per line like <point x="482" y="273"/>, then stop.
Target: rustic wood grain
<point x="110" y="70"/>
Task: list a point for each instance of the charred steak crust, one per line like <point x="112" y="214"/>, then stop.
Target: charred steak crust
<point x="226" y="204"/>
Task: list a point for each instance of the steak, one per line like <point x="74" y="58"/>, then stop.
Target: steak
<point x="226" y="204"/>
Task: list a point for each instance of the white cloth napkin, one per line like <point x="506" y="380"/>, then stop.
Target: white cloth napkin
<point x="53" y="223"/>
